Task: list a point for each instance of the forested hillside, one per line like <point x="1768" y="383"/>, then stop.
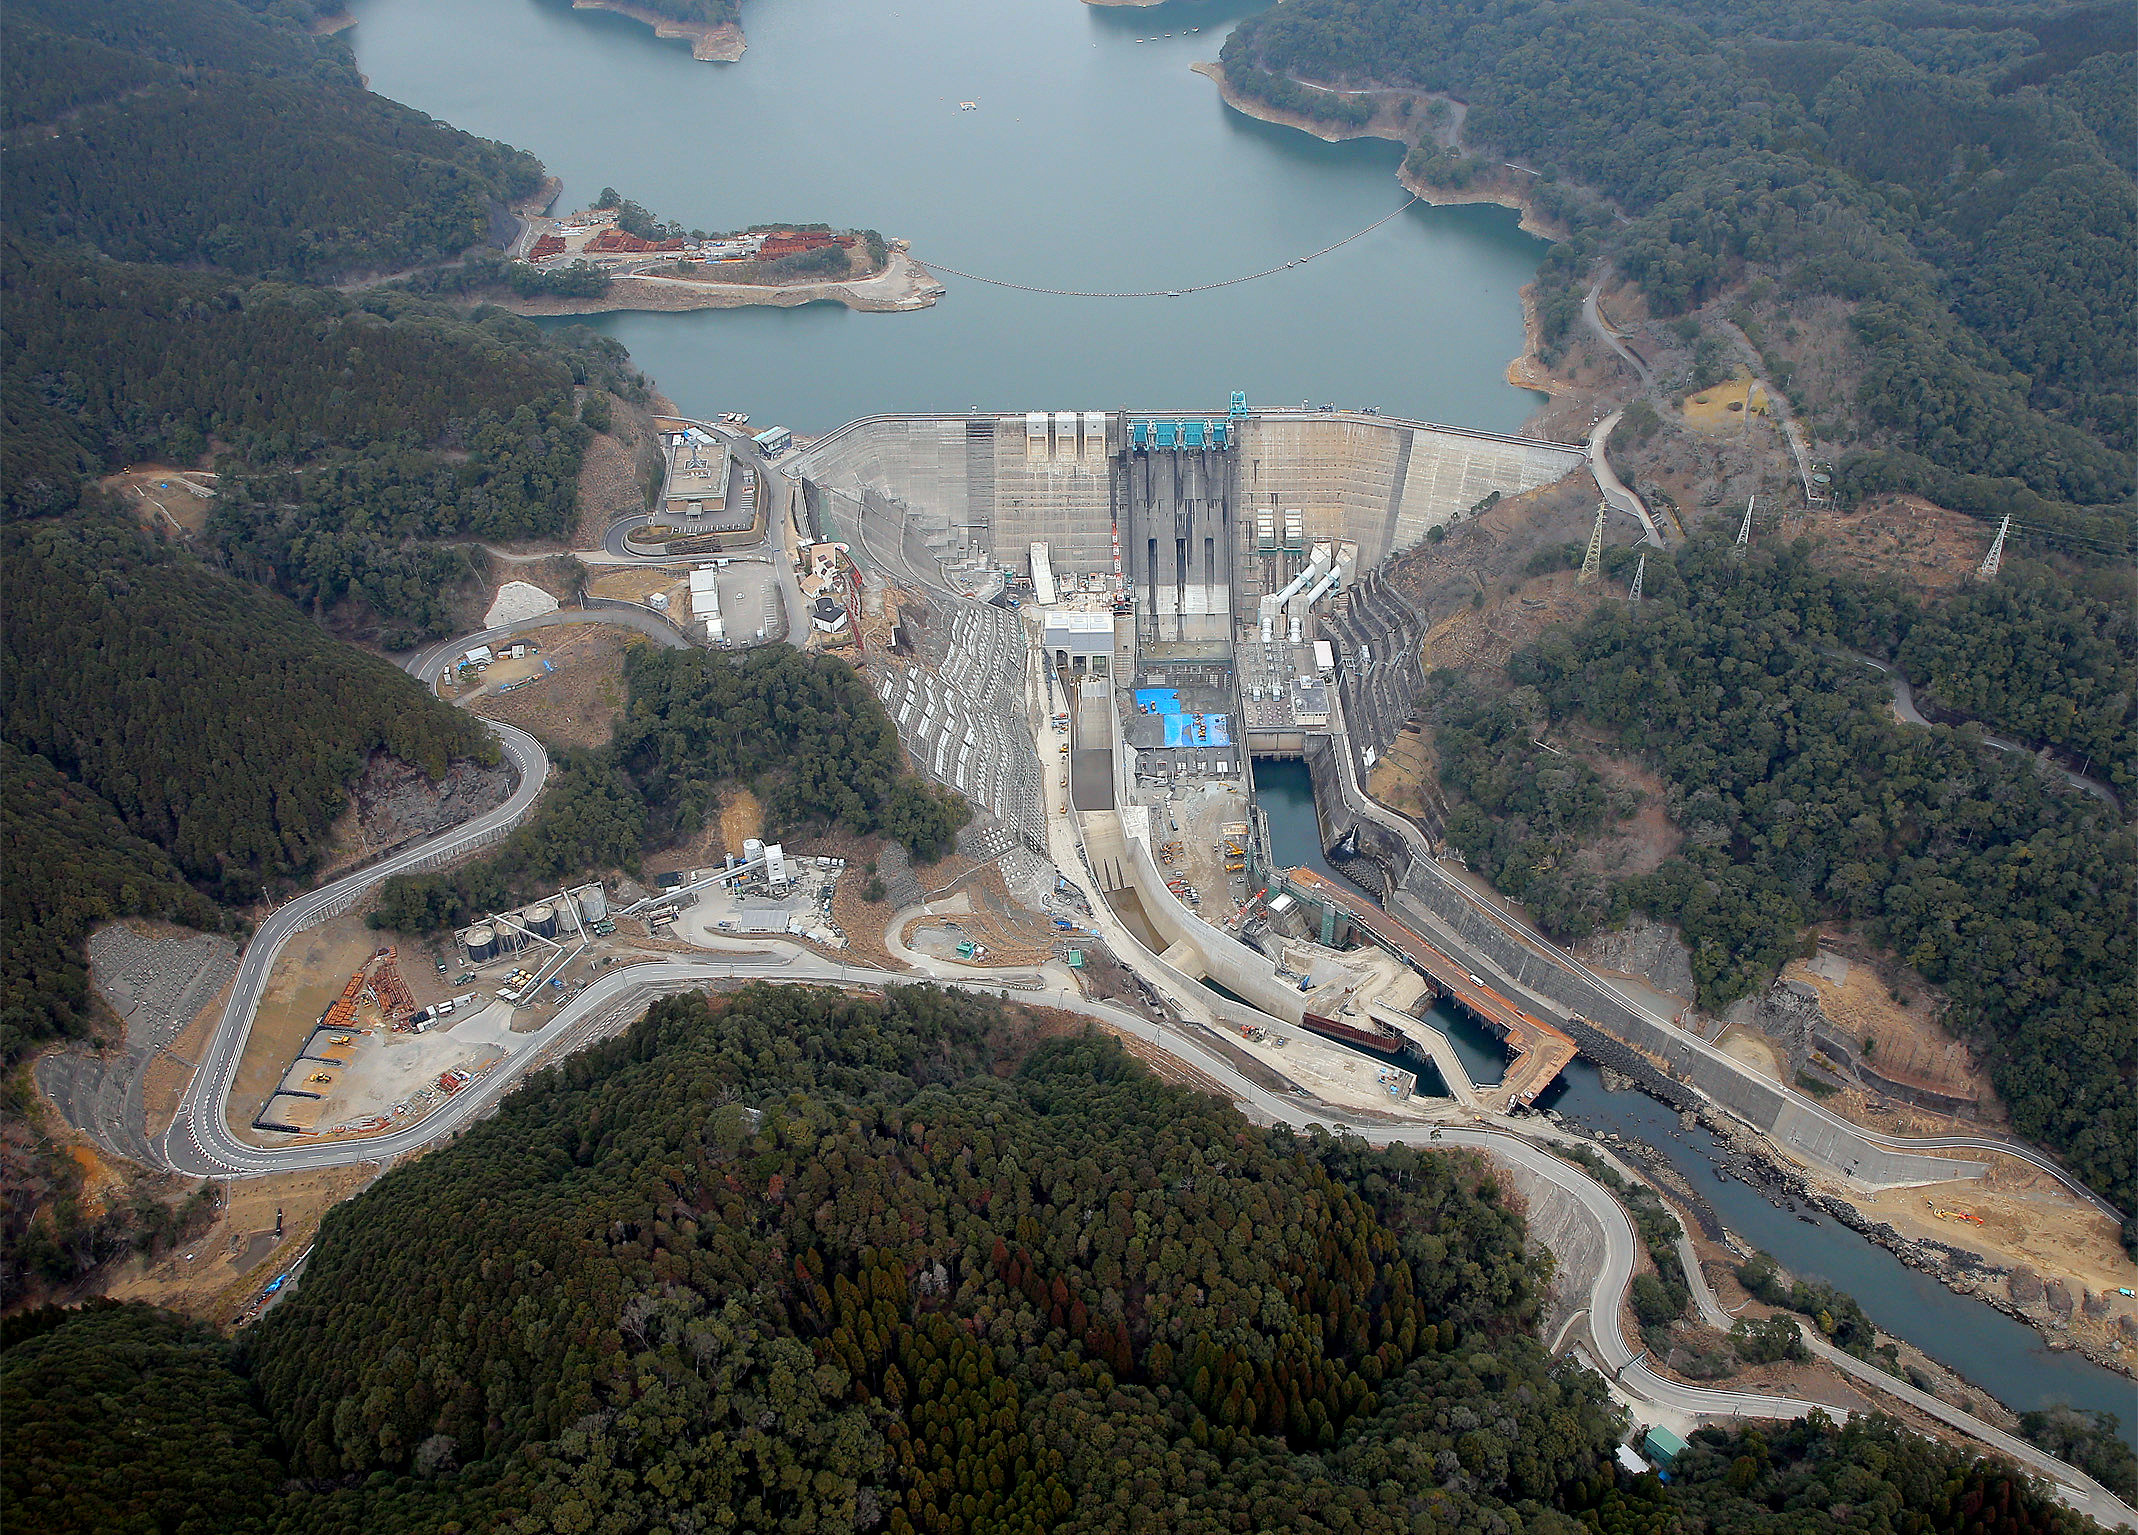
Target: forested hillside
<point x="71" y="864"/>
<point x="354" y="434"/>
<point x="145" y="699"/>
<point x="1938" y="174"/>
<point x="352" y="431"/>
<point x="239" y="143"/>
<point x="1801" y="799"/>
<point x="803" y="733"/>
<point x="804" y="1261"/>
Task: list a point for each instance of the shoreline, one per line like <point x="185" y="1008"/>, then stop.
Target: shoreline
<point x="710" y="44"/>
<point x="1439" y="197"/>
<point x="903" y="285"/>
<point x="327" y="26"/>
<point x="1526" y="371"/>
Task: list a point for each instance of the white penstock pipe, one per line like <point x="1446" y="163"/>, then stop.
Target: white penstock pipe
<point x="1274" y="603"/>
<point x="1306" y="600"/>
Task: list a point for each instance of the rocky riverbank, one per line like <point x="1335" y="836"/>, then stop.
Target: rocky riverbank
<point x="712" y="44"/>
<point x="2048" y="1306"/>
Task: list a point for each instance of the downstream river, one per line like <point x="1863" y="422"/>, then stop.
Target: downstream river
<point x="2006" y="1358"/>
<point x="1090" y="161"/>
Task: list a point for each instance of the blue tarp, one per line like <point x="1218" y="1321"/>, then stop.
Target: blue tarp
<point x="1181" y="731"/>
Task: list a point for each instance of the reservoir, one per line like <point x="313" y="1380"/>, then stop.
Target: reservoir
<point x="2008" y="1359"/>
<point x="1090" y="160"/>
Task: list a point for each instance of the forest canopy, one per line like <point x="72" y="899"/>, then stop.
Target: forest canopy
<point x="219" y="135"/>
<point x="810" y="1261"/>
<point x="804" y="733"/>
<point x="164" y="722"/>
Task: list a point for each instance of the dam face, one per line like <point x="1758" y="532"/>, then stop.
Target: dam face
<point x="942" y="498"/>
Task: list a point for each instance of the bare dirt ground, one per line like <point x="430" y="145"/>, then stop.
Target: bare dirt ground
<point x="164" y="1082"/>
<point x="1912" y="1047"/>
<point x="1746" y="1045"/>
<point x="1723" y="407"/>
<point x="576" y="704"/>
<point x="610" y="483"/>
<point x="1014" y="937"/>
<point x="308" y="976"/>
<point x="1924" y="547"/>
<point x="154" y="494"/>
<point x="214" y="1275"/>
<point x="1482" y="556"/>
<point x="1405" y="774"/>
<point x="2026" y="1218"/>
<point x="861" y="920"/>
<point x="741" y="817"/>
<point x="634" y="584"/>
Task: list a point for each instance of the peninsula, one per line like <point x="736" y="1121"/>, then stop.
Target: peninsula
<point x="711" y="41"/>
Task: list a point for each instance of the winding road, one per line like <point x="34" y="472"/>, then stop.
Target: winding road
<point x="1617" y="492"/>
<point x="1904" y="706"/>
<point x="429" y="664"/>
<point x="1360" y="803"/>
<point x="200" y="1142"/>
<point x="199" y="1139"/>
<point x="2073" y="1487"/>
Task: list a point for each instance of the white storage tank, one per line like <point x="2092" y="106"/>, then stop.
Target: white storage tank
<point x="593" y="902"/>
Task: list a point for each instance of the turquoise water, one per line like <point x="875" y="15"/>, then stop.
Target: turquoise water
<point x="1091" y="161"/>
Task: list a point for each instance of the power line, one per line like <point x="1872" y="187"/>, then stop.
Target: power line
<point x="996" y="282"/>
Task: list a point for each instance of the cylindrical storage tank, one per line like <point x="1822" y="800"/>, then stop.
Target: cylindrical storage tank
<point x="482" y="943"/>
<point x="593" y="902"/>
<point x="542" y="919"/>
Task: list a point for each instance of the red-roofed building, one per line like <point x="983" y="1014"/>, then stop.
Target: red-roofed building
<point x="790" y="242"/>
<point x="622" y="242"/>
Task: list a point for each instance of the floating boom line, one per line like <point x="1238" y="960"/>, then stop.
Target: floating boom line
<point x="996" y="282"/>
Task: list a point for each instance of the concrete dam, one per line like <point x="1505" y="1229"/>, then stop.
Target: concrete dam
<point x="943" y="499"/>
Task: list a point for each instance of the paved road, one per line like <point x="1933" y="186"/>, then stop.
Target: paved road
<point x="1616" y="492"/>
<point x="2073" y="1487"/>
<point x="1904" y="706"/>
<point x="198" y="1140"/>
<point x="1595" y="319"/>
<point x="429" y="663"/>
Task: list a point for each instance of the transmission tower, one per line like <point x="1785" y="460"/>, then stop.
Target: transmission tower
<point x="1640" y="569"/>
<point x="1744" y="532"/>
<point x="1592" y="562"/>
<point x="1995" y="558"/>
